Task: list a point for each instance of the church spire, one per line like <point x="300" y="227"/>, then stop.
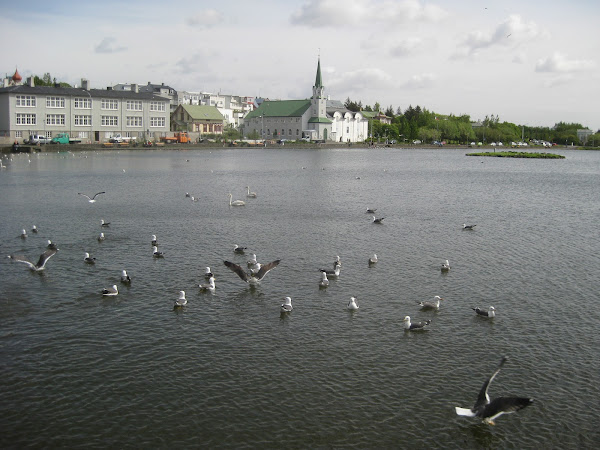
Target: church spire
<point x="318" y="80"/>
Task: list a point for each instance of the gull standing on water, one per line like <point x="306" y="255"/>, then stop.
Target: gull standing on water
<point x="41" y="264"/>
<point x="125" y="279"/>
<point x="490" y="312"/>
<point x="286" y="307"/>
<point x="324" y="281"/>
<point x="91" y="199"/>
<point x="156" y="253"/>
<point x="373" y="259"/>
<point x="104" y="224"/>
<point x="88" y="259"/>
<point x="468" y="227"/>
<point x="208" y="274"/>
<point x="445" y="266"/>
<point x="490" y="410"/>
<point x="352" y="305"/>
<point x="418" y="326"/>
<point x="34" y="229"/>
<point x="101" y="237"/>
<point x="23" y="234"/>
<point x="154" y="241"/>
<point x="51" y="245"/>
<point x="210" y="286"/>
<point x="378" y="220"/>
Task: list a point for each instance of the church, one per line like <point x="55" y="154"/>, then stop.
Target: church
<point x="316" y="119"/>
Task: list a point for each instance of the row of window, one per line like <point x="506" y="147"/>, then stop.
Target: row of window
<point x="86" y="103"/>
<point x="82" y="120"/>
<point x="276" y="132"/>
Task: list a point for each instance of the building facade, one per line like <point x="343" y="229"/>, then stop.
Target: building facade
<point x="198" y="119"/>
<point x="91" y="115"/>
<point x="232" y="107"/>
<point x="317" y="119"/>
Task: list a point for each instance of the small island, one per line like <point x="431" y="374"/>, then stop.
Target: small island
<point x="510" y="154"/>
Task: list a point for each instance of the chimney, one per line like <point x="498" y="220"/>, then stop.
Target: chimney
<point x="30" y="82"/>
<point x="135" y="88"/>
<point x="85" y="84"/>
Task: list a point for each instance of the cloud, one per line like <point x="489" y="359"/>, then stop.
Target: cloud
<point x="207" y="18"/>
<point x="422" y="81"/>
<point x="362" y="79"/>
<point x="107" y="46"/>
<point x="407" y="47"/>
<point x="511" y="32"/>
<point x="329" y="13"/>
<point x="558" y="63"/>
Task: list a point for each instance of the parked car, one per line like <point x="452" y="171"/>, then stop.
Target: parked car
<point x="37" y="139"/>
<point x="416" y="142"/>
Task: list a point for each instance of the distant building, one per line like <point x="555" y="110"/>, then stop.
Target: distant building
<point x="92" y="115"/>
<point x="198" y="118"/>
<point x="583" y="135"/>
<point x="316" y="118"/>
<point x="150" y="88"/>
<point x="232" y="107"/>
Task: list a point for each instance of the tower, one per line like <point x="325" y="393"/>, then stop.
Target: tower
<point x="318" y="102"/>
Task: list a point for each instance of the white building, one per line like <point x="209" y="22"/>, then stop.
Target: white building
<point x="232" y="107"/>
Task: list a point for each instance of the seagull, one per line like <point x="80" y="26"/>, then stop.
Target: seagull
<point x="210" y="286"/>
<point x="34" y="229"/>
<point x="51" y="246"/>
<point x="250" y="194"/>
<point x="491" y="312"/>
<point x="208" y="274"/>
<point x="468" y="227"/>
<point x="252" y="279"/>
<point x="126" y="279"/>
<point x="156" y="253"/>
<point x="337" y="261"/>
<point x="324" y="281"/>
<point x="373" y="259"/>
<point x="378" y="220"/>
<point x="415" y="326"/>
<point x="88" y="259"/>
<point x="187" y="195"/>
<point x="91" y="199"/>
<point x="333" y="273"/>
<point x="490" y="410"/>
<point x="287" y="306"/>
<point x="352" y="305"/>
<point x="111" y="291"/>
<point x="181" y="301"/>
<point x="104" y="224"/>
<point x="239" y="250"/>
<point x="435" y="304"/>
<point x="371" y="210"/>
<point x="101" y="237"/>
<point x="194" y="199"/>
<point x="23" y="234"/>
<point x="445" y="266"/>
<point x="252" y="261"/>
<point x="41" y="264"/>
<point x="154" y="241"/>
<point x="236" y="202"/>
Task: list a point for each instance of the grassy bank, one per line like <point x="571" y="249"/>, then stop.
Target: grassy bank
<point x="519" y="155"/>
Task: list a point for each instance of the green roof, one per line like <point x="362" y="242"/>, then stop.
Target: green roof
<point x="203" y="112"/>
<point x="319" y="120"/>
<point x="280" y="108"/>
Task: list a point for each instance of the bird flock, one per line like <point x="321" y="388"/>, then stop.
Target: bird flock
<point x="255" y="272"/>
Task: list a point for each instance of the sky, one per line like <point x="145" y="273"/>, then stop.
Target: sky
<point x="529" y="62"/>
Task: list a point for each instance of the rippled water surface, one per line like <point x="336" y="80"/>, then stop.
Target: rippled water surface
<point x="228" y="370"/>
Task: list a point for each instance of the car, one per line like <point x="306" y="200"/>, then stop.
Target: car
<point x="37" y="139"/>
<point x="416" y="142"/>
<point x="305" y="139"/>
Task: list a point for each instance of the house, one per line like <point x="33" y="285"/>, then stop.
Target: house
<point x="92" y="115"/>
<point x="316" y="118"/>
<point x="161" y="90"/>
<point x="201" y="119"/>
<point x="232" y="107"/>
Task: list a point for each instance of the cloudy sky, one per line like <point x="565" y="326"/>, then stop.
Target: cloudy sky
<point x="531" y="62"/>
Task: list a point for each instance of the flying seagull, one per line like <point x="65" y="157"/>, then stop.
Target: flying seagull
<point x="92" y="199"/>
<point x="41" y="264"/>
<point x="252" y="278"/>
<point x="490" y="410"/>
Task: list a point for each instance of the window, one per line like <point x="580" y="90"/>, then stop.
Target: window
<point x="157" y="121"/>
<point x="48" y="134"/>
<point x="55" y="102"/>
<point x="110" y="104"/>
<point x="134" y="121"/>
<point x="18" y="134"/>
<point x="26" y="100"/>
<point x="134" y="105"/>
<point x="55" y="119"/>
<point x="82" y="134"/>
<point x="290" y="132"/>
<point x="26" y="119"/>
<point x="83" y="121"/>
<point x="110" y="121"/>
<point x="157" y="106"/>
<point x="83" y="103"/>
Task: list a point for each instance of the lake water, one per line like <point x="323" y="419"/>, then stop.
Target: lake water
<point x="228" y="370"/>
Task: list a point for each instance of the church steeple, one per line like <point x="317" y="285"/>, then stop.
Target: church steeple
<point x="318" y="80"/>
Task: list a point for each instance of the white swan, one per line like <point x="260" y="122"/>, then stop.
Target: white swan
<point x="236" y="202"/>
<point x="250" y="194"/>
